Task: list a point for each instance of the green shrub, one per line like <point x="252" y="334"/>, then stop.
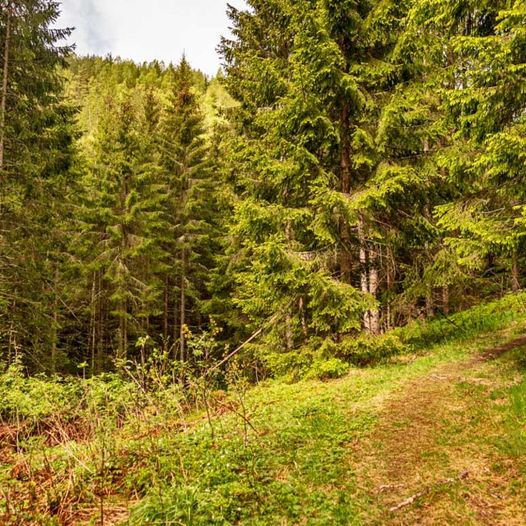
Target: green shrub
<point x="34" y="398"/>
<point x="327" y="369"/>
<point x="367" y="349"/>
<point x="315" y="361"/>
<point x="38" y="399"/>
<point x="111" y="395"/>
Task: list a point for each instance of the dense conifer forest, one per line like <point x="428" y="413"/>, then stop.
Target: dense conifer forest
<point x="340" y="210"/>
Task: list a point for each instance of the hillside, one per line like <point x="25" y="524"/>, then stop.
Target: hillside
<point x="434" y="436"/>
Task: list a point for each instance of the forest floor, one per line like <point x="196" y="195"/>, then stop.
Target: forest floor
<point x="432" y="438"/>
<point x="448" y="448"/>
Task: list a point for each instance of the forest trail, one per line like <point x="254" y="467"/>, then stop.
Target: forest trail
<point x="442" y="451"/>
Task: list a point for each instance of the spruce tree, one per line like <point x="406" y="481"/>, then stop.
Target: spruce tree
<point x="35" y="155"/>
<point x="312" y="179"/>
<point x="124" y="201"/>
<point x="190" y="208"/>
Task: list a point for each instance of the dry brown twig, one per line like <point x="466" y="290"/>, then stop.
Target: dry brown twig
<point x="426" y="491"/>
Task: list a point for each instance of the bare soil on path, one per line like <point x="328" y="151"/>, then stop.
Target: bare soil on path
<point x="436" y="456"/>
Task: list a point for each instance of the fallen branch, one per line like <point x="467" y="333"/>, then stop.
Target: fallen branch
<point x="426" y="491"/>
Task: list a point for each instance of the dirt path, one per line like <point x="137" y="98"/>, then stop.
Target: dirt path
<point x="436" y="455"/>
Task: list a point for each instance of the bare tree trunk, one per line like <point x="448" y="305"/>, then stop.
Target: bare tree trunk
<point x="121" y="337"/>
<point x="101" y="323"/>
<point x="391" y="271"/>
<point x="365" y="285"/>
<point x="289" y="336"/>
<point x="374" y="283"/>
<point x="445" y="299"/>
<point x="175" y="325"/>
<point x="54" y="339"/>
<point x="364" y="274"/>
<point x="430" y="304"/>
<point x="3" y="97"/>
<point x="182" y="335"/>
<point x="123" y="332"/>
<point x="54" y="328"/>
<point x="166" y="313"/>
<point x="515" y="273"/>
<point x="93" y="323"/>
<point x="125" y="353"/>
<point x="304" y="328"/>
<point x="289" y="329"/>
<point x="11" y="346"/>
<point x="345" y="180"/>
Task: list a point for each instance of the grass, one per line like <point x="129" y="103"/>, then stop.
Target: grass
<point x="311" y="453"/>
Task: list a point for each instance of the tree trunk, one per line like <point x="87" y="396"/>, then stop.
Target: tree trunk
<point x="54" y="327"/>
<point x="515" y="272"/>
<point x="445" y="299"/>
<point x="123" y="332"/>
<point x="125" y="353"/>
<point x="391" y="276"/>
<point x="3" y="97"/>
<point x="304" y="328"/>
<point x="430" y="305"/>
<point x="93" y="323"/>
<point x="175" y="325"/>
<point x="289" y="335"/>
<point x="182" y="335"/>
<point x="11" y="346"/>
<point x="101" y="323"/>
<point x="365" y="285"/>
<point x="121" y="337"/>
<point x="374" y="283"/>
<point x="166" y="314"/>
<point x="364" y="273"/>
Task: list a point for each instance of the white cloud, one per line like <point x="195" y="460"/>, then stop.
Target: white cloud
<point x="144" y="30"/>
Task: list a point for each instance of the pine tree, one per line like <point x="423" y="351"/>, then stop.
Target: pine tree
<point x="124" y="219"/>
<point x="35" y="156"/>
<point x="482" y="102"/>
<point x="314" y="182"/>
<point x="190" y="207"/>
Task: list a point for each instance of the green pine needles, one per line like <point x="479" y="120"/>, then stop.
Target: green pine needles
<point x="356" y="166"/>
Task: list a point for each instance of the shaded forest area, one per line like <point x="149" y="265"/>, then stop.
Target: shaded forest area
<point x="354" y="167"/>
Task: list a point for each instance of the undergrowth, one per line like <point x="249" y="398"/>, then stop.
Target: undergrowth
<point x="139" y="449"/>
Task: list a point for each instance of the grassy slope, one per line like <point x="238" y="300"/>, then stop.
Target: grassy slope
<point x="443" y="426"/>
<point x="345" y="452"/>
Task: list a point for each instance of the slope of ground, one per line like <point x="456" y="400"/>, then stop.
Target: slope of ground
<point x="446" y="449"/>
<point x="430" y="440"/>
<point x="434" y="437"/>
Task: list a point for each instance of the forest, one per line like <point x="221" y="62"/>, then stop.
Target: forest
<point x="219" y="296"/>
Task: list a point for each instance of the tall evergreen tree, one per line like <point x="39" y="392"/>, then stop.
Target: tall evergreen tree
<point x="486" y="106"/>
<point x="124" y="216"/>
<point x="190" y="208"/>
<point x="313" y="181"/>
<point x="35" y="154"/>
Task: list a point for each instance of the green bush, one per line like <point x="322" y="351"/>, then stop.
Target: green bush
<point x="327" y="369"/>
<point x="111" y="395"/>
<point x="366" y="349"/>
<point x="316" y="361"/>
<point x="38" y="399"/>
<point x="34" y="398"/>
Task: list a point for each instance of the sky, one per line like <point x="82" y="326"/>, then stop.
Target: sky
<point x="143" y="30"/>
